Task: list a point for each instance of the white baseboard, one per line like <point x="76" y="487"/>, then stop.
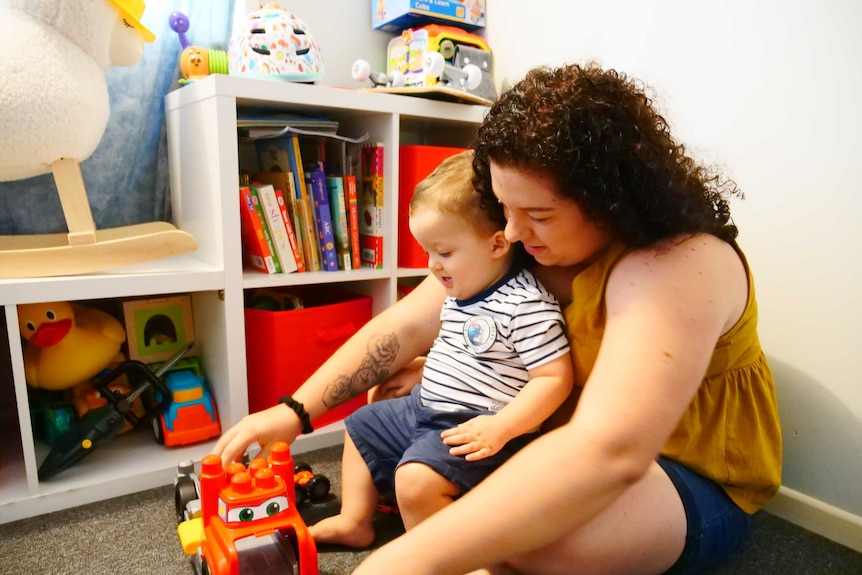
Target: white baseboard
<point x="818" y="517"/>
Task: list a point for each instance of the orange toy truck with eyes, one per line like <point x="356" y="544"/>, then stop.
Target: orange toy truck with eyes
<point x="248" y="520"/>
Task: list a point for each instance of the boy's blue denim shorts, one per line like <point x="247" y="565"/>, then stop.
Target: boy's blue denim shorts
<point x="396" y="431"/>
<point x="717" y="526"/>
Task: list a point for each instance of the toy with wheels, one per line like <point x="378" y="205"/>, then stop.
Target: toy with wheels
<point x="187" y="491"/>
<point x="247" y="517"/>
<point x="190" y="416"/>
<point x="54" y="109"/>
<point x="467" y="78"/>
<point x="361" y="72"/>
<point x="440" y="62"/>
<point x="310" y="487"/>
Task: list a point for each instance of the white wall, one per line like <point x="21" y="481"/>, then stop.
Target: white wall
<point x="770" y="90"/>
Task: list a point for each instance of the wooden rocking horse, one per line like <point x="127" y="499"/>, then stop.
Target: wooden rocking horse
<point x="54" y="108"/>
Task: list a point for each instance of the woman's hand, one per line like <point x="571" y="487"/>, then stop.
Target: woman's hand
<point x="278" y="423"/>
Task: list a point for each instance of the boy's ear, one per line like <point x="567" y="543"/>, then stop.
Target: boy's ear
<point x="500" y="246"/>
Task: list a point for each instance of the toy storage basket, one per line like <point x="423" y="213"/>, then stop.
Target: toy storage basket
<point x="283" y="348"/>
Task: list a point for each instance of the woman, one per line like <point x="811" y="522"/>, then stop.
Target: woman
<point x="674" y="440"/>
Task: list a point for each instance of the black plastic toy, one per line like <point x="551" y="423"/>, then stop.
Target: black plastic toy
<point x="102" y="424"/>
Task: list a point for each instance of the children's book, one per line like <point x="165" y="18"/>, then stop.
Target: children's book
<point x="338" y="207"/>
<point x="353" y="219"/>
<point x="267" y="233"/>
<point x="284" y="208"/>
<point x="313" y="253"/>
<point x="371" y="207"/>
<point x="316" y="183"/>
<point x="283" y="184"/>
<point x="277" y="227"/>
<point x="255" y="249"/>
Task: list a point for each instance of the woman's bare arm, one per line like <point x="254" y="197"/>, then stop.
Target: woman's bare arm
<point x="379" y="349"/>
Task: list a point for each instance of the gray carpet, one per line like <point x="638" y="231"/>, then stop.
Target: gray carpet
<point x="136" y="534"/>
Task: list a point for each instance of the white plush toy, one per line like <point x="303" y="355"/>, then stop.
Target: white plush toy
<point x="54" y="108"/>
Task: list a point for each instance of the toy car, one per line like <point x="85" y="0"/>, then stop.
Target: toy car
<point x="453" y="48"/>
<point x="310" y="487"/>
<point x="245" y="520"/>
<point x="191" y="415"/>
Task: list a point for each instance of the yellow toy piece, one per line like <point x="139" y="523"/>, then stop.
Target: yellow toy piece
<point x="191" y="533"/>
<point x="67" y="343"/>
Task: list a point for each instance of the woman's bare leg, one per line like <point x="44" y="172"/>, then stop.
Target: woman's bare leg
<point x="643" y="532"/>
<point x="353" y="525"/>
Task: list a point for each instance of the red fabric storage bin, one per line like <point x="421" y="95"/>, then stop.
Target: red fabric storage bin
<point x="414" y="165"/>
<point x="283" y="348"/>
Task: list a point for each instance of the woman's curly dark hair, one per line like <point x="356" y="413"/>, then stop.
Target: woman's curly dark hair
<point x="595" y="133"/>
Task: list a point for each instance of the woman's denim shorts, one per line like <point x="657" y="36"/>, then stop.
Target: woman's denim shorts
<point x="716" y="525"/>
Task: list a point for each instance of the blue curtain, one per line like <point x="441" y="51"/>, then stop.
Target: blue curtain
<point x="127" y="176"/>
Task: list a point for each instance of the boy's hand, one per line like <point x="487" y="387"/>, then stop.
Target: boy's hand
<point x="400" y="384"/>
<point x="477" y="438"/>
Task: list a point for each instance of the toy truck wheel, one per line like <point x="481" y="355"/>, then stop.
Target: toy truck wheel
<point x="318" y="488"/>
<point x="302" y="495"/>
<point x="361" y="70"/>
<point x="184" y="493"/>
<point x="158" y="433"/>
<point x="434" y="63"/>
<point x="474" y="76"/>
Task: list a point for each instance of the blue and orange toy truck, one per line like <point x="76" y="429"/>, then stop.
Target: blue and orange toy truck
<point x="246" y="520"/>
<point x="191" y="415"/>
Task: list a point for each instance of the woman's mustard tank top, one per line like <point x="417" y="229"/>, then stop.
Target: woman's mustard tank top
<point x="730" y="433"/>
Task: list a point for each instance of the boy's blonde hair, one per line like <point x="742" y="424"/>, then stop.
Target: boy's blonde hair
<point x="449" y="189"/>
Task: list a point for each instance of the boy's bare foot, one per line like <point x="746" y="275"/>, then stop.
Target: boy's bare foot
<point x="342" y="530"/>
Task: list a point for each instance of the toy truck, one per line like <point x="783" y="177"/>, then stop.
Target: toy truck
<point x="246" y="520"/>
<point x="191" y="415"/>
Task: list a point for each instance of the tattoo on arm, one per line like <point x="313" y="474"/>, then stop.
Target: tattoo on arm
<point x="374" y="369"/>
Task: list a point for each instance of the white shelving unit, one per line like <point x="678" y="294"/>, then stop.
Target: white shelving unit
<point x="204" y="165"/>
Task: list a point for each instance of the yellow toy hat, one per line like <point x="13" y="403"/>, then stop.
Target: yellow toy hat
<point x="132" y="11"/>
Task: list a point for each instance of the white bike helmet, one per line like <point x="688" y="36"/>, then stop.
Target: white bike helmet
<point x="273" y="43"/>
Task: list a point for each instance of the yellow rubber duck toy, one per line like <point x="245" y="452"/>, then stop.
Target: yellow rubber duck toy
<point x="67" y="343"/>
